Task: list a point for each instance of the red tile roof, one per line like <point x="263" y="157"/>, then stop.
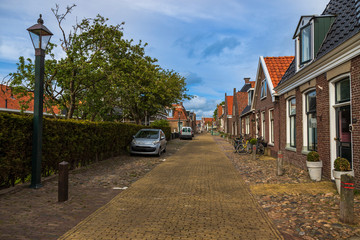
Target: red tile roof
<point x="229" y="100"/>
<point x="277" y="67"/>
<point x="179" y="110"/>
<point x="10" y="101"/>
<point x="208" y="120"/>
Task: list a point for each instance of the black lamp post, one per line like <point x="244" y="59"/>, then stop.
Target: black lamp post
<point x="179" y="122"/>
<point x="40" y="37"/>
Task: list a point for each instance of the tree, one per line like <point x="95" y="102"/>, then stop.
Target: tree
<point x="102" y="74"/>
<point x="216" y="110"/>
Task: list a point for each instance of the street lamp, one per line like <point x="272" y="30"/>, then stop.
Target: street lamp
<point x="40" y="37"/>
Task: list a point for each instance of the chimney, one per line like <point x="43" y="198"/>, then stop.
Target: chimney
<point x="247" y="80"/>
<point x="234" y="92"/>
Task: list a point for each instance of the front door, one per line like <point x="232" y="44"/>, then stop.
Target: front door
<point x="343" y="143"/>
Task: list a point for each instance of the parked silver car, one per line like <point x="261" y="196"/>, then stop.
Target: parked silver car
<point x="149" y="142"/>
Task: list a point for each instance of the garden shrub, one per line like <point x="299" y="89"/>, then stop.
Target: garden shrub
<point x="77" y="142"/>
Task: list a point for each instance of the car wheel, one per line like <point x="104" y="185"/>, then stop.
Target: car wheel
<point x="159" y="153"/>
<point x="164" y="149"/>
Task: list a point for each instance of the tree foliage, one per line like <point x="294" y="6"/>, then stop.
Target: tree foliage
<point x="102" y="76"/>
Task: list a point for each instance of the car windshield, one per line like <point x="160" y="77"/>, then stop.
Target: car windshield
<point x="147" y="134"/>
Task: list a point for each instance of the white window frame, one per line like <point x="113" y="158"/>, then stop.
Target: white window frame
<point x="247" y="125"/>
<point x="250" y="95"/>
<point x="288" y="147"/>
<point x="263" y="90"/>
<point x="263" y="125"/>
<point x="304" y="121"/>
<point x="299" y="66"/>
<point x="332" y="106"/>
<point x="271" y="127"/>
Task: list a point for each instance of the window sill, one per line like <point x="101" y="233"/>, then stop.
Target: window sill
<point x="271" y="144"/>
<point x="305" y="152"/>
<point x="290" y="149"/>
<point x="262" y="98"/>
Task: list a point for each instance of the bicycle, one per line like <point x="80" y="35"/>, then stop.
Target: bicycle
<point x="260" y="146"/>
<point x="239" y="145"/>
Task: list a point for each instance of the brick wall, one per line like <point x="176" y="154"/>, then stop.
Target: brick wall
<point x="355" y="91"/>
<point x="323" y="123"/>
<point x="262" y="105"/>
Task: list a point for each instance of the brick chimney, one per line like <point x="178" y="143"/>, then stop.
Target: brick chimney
<point x="247" y="80"/>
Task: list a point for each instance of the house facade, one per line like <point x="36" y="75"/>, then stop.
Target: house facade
<point x="265" y="105"/>
<point x="177" y="117"/>
<point x="228" y="120"/>
<point x="246" y="116"/>
<point x="319" y="97"/>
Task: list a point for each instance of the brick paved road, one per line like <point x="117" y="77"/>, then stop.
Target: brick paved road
<point x="195" y="194"/>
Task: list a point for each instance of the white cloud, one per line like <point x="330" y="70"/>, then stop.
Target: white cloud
<point x="203" y="107"/>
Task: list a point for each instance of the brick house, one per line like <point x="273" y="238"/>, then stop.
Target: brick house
<point x="220" y="118"/>
<point x="10" y="102"/>
<point x="269" y="73"/>
<point x="177" y="117"/>
<point x="228" y="121"/>
<point x="246" y="116"/>
<point x="319" y="95"/>
<point x="240" y="102"/>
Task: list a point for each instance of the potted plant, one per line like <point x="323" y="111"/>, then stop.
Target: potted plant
<point x="314" y="166"/>
<point x="341" y="166"/>
<point x="252" y="146"/>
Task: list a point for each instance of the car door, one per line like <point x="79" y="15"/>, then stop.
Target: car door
<point x="162" y="140"/>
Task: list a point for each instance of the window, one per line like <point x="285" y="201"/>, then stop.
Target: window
<point x="247" y="125"/>
<point x="305" y="45"/>
<point x="292" y="122"/>
<point x="250" y="95"/>
<point x="263" y="124"/>
<point x="6" y="103"/>
<point x="271" y="125"/>
<point x="263" y="89"/>
<point x="342" y="91"/>
<point x="311" y="121"/>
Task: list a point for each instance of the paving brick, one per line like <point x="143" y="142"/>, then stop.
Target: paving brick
<point x="195" y="194"/>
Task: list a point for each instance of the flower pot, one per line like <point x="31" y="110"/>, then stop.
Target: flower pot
<point x="337" y="176"/>
<point x="314" y="169"/>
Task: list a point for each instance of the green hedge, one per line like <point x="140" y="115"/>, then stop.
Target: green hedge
<point x="77" y="142"/>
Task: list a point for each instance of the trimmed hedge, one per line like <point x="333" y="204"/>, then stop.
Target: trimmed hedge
<point x="77" y="142"/>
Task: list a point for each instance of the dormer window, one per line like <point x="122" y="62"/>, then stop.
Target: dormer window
<point x="309" y="37"/>
<point x="263" y="89"/>
<point x="250" y="96"/>
<point x="305" y="45"/>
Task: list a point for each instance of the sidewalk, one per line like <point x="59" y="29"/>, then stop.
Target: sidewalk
<point x="299" y="207"/>
<point x="195" y="194"/>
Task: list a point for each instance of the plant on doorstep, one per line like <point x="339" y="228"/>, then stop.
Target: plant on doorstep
<point x="341" y="166"/>
<point x="314" y="166"/>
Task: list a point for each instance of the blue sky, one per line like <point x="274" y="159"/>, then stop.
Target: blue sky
<point x="214" y="44"/>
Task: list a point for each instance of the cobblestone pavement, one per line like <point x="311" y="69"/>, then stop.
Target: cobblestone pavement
<point x="35" y="213"/>
<point x="300" y="208"/>
<point x="195" y="194"/>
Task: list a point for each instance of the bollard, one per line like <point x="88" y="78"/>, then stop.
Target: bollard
<point x="280" y="162"/>
<point x="63" y="184"/>
<point x="347" y="199"/>
<point x="253" y="152"/>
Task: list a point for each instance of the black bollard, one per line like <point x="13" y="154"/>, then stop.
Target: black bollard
<point x="63" y="186"/>
<point x="347" y="199"/>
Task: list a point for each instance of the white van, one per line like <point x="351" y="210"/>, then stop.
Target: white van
<point x="186" y="133"/>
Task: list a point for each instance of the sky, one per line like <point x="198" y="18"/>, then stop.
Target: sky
<point x="213" y="44"/>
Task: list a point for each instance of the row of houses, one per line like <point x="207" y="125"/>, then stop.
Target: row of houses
<point x="309" y="101"/>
